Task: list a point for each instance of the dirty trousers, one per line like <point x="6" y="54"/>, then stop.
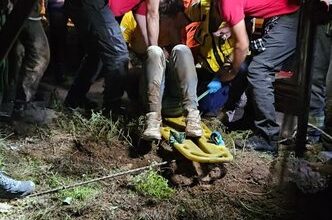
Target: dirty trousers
<point x="170" y="84"/>
<point x="29" y="59"/>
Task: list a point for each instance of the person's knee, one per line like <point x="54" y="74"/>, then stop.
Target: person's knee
<point x="183" y="54"/>
<point x="183" y="61"/>
<point x="255" y="66"/>
<point x="155" y="51"/>
<point x="258" y="71"/>
<point x="181" y="50"/>
<point x="116" y="67"/>
<point x="156" y="60"/>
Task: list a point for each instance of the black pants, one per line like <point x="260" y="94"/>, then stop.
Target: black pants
<point x="58" y="34"/>
<point x="280" y="44"/>
<point x="101" y="35"/>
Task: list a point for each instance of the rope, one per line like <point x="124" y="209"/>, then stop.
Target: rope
<point x="312" y="126"/>
<point x="320" y="130"/>
<point x="98" y="179"/>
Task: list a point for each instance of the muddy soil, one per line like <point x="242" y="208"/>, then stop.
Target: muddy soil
<point x="253" y="186"/>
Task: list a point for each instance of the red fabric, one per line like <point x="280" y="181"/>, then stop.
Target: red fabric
<point x="233" y="11"/>
<point x="190" y="29"/>
<point x="120" y="7"/>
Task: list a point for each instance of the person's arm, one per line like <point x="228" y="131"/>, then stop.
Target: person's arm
<point x="141" y="22"/>
<point x="152" y="21"/>
<point x="240" y="52"/>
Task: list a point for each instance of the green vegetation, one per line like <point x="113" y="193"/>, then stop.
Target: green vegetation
<point x="81" y="193"/>
<point x="152" y="184"/>
<point x="97" y="127"/>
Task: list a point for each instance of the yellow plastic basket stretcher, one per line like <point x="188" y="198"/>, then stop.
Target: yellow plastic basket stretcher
<point x="201" y="149"/>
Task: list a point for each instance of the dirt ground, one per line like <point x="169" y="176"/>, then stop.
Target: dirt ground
<point x="254" y="186"/>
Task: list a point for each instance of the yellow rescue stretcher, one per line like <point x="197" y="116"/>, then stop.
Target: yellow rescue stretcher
<point x="201" y="149"/>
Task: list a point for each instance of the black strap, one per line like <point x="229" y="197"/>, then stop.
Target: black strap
<point x="214" y="44"/>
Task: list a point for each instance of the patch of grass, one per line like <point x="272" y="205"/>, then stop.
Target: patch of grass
<point x="152" y="184"/>
<point x="230" y="138"/>
<point x="43" y="132"/>
<point x="96" y="128"/>
<point x="80" y="193"/>
<point x="55" y="180"/>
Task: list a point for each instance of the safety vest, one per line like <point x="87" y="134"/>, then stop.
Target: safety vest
<point x="213" y="51"/>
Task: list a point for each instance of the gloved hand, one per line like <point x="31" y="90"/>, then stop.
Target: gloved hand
<point x="214" y="85"/>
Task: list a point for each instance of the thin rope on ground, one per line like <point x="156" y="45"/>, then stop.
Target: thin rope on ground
<point x="99" y="179"/>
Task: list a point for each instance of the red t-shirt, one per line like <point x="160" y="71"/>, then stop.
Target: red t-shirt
<point x="233" y="11"/>
<point x="120" y="7"/>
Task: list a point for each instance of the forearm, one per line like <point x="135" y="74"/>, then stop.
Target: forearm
<point x="152" y="29"/>
<point x="141" y="22"/>
<point x="240" y="52"/>
<point x="239" y="56"/>
<point x="152" y="19"/>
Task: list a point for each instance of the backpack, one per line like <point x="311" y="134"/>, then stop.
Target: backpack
<point x="213" y="51"/>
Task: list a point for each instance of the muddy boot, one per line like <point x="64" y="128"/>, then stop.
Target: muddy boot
<point x="193" y="124"/>
<point x="10" y="188"/>
<point x="153" y="122"/>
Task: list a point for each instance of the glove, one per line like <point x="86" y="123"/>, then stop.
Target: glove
<point x="214" y="85"/>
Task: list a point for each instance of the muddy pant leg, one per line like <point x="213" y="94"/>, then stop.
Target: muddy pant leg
<point x="36" y="59"/>
<point x="280" y="43"/>
<point x="181" y="80"/>
<point x="15" y="59"/>
<point x="155" y="78"/>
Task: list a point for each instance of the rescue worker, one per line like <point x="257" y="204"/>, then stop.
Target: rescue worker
<point x="214" y="54"/>
<point x="28" y="61"/>
<point x="279" y="43"/>
<point x="101" y="35"/>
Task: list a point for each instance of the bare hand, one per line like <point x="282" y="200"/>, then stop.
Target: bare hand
<point x="223" y="32"/>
